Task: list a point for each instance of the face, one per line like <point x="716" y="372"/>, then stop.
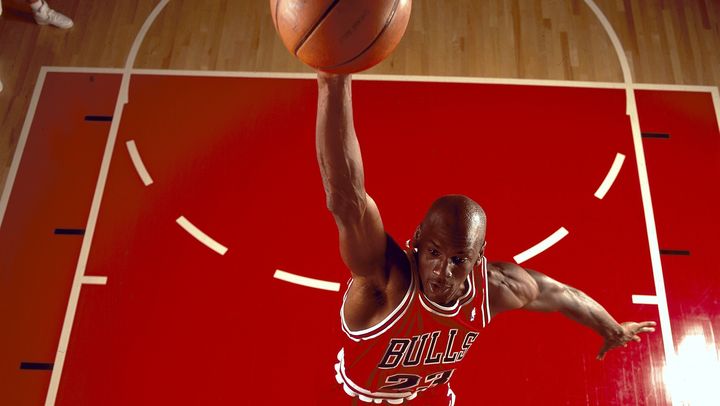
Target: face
<point x="444" y="261"/>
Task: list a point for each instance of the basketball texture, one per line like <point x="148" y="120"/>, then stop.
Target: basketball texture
<point x="340" y="36"/>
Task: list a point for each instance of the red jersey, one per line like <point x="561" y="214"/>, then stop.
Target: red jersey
<point x="417" y="347"/>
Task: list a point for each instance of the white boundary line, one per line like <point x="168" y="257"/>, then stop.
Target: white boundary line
<point x="645" y="299"/>
<point x="663" y="311"/>
<point x="541" y="246"/>
<point x="611" y="176"/>
<point x="201" y="236"/>
<point x="20" y="148"/>
<point x="95" y="210"/>
<point x="305" y="281"/>
<point x="138" y="163"/>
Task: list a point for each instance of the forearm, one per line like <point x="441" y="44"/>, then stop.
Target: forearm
<point x="338" y="150"/>
<point x="583" y="309"/>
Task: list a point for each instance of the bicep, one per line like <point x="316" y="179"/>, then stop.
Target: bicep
<point x="363" y="241"/>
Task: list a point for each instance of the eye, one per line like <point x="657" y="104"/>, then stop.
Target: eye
<point x="459" y="260"/>
<point x="434" y="252"/>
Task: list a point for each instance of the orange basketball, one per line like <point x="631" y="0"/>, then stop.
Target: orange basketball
<point x="341" y="36"/>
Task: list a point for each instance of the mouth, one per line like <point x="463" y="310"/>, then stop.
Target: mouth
<point x="438" y="288"/>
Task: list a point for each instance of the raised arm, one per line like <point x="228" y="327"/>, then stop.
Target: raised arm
<point x="513" y="287"/>
<point x="362" y="236"/>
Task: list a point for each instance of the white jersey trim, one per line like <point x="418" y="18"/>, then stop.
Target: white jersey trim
<point x="486" y="305"/>
<point x="354" y="390"/>
<point x="378" y="329"/>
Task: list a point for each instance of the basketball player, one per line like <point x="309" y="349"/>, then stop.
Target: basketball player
<point x="411" y="314"/>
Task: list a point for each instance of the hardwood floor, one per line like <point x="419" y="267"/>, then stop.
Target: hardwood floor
<point x="666" y="41"/>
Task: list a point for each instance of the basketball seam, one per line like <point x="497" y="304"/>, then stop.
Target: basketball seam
<point x="314" y="27"/>
<point x="377" y="37"/>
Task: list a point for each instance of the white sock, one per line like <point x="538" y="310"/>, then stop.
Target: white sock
<point x="36" y="6"/>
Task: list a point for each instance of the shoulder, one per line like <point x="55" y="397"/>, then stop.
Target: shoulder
<point x="506" y="272"/>
<point x="510" y="286"/>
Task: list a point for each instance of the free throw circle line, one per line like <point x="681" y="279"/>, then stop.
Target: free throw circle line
<point x="305" y="281"/>
<point x="541" y="246"/>
<point x="610" y="177"/>
<point x="138" y="163"/>
<point x="201" y="236"/>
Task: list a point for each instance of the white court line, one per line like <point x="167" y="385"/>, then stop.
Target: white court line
<point x="645" y="299"/>
<point x="392" y="78"/>
<point x="20" y="148"/>
<point x="449" y="79"/>
<point x="201" y="236"/>
<point x="94" y="212"/>
<point x="541" y="246"/>
<point x="305" y="281"/>
<point x="658" y="277"/>
<point x="94" y="280"/>
<point x="138" y="163"/>
<point x="611" y="176"/>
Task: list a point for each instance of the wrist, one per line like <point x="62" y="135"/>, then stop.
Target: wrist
<point x="612" y="331"/>
<point x="332" y="80"/>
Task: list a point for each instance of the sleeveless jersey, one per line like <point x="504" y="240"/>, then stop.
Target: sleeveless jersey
<point x="415" y="350"/>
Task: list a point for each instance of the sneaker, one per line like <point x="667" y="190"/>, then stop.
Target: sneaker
<point x="47" y="16"/>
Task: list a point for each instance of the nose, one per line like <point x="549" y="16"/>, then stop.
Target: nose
<point x="442" y="269"/>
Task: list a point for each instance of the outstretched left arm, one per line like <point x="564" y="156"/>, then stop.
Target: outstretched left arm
<point x="513" y="287"/>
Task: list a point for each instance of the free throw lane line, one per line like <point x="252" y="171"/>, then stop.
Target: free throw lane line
<point x="610" y="177"/>
<point x="201" y="236"/>
<point x="658" y="277"/>
<point x="541" y="246"/>
<point x="305" y="281"/>
<point x="77" y="284"/>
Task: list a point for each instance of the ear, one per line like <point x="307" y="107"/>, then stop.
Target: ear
<point x="416" y="237"/>
<point x="481" y="253"/>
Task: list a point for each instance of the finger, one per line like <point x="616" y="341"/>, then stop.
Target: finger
<point x="603" y="351"/>
<point x="636" y="339"/>
<point x="647" y="324"/>
<point x="645" y="330"/>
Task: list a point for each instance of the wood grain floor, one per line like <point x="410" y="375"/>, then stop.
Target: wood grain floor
<point x="666" y="41"/>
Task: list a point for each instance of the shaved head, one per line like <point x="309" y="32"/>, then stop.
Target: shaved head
<point x="459" y="216"/>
